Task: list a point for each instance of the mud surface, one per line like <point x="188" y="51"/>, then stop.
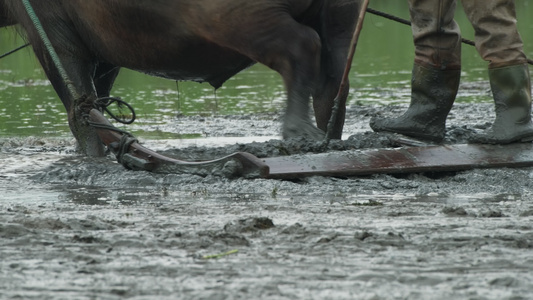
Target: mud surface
<point x="78" y="228"/>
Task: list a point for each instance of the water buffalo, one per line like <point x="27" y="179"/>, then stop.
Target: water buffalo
<point x="305" y="41"/>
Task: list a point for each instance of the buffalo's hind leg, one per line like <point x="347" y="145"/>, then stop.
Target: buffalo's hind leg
<point x="104" y="78"/>
<point x="276" y="40"/>
<point x="299" y="65"/>
<point x="336" y="31"/>
<point x="294" y="52"/>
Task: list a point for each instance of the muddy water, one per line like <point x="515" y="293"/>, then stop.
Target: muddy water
<point x="78" y="228"/>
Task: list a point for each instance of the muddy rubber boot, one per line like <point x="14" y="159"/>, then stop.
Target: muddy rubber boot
<point x="433" y="92"/>
<point x="511" y="89"/>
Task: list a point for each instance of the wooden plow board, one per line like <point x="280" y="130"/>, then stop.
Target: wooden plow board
<point x="401" y="160"/>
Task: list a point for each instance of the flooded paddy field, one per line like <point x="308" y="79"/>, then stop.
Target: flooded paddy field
<point x="73" y="227"/>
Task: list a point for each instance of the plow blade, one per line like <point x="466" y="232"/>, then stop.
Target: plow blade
<point x="402" y="160"/>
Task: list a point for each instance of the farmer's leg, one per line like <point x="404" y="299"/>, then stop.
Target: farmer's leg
<point x="499" y="43"/>
<point x="436" y="72"/>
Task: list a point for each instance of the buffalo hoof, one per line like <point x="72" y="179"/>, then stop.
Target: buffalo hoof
<point x="303" y="129"/>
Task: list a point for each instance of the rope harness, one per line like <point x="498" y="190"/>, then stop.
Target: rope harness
<point x="102" y="104"/>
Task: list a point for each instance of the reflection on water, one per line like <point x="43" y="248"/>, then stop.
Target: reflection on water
<point x="380" y="75"/>
<point x="98" y="196"/>
<point x="131" y="196"/>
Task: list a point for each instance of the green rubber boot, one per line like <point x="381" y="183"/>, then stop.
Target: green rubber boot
<point x="511" y="89"/>
<point x="433" y="92"/>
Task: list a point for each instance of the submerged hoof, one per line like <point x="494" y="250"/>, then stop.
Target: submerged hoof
<point x="304" y="130"/>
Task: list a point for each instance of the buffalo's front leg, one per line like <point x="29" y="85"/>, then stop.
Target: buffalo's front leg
<point x="327" y="89"/>
<point x="75" y="88"/>
<point x="336" y="31"/>
<point x="77" y="105"/>
<point x="80" y="75"/>
<point x="5" y="18"/>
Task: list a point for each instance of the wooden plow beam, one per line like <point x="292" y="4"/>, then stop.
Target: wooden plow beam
<point x="134" y="156"/>
<point x="346" y="163"/>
